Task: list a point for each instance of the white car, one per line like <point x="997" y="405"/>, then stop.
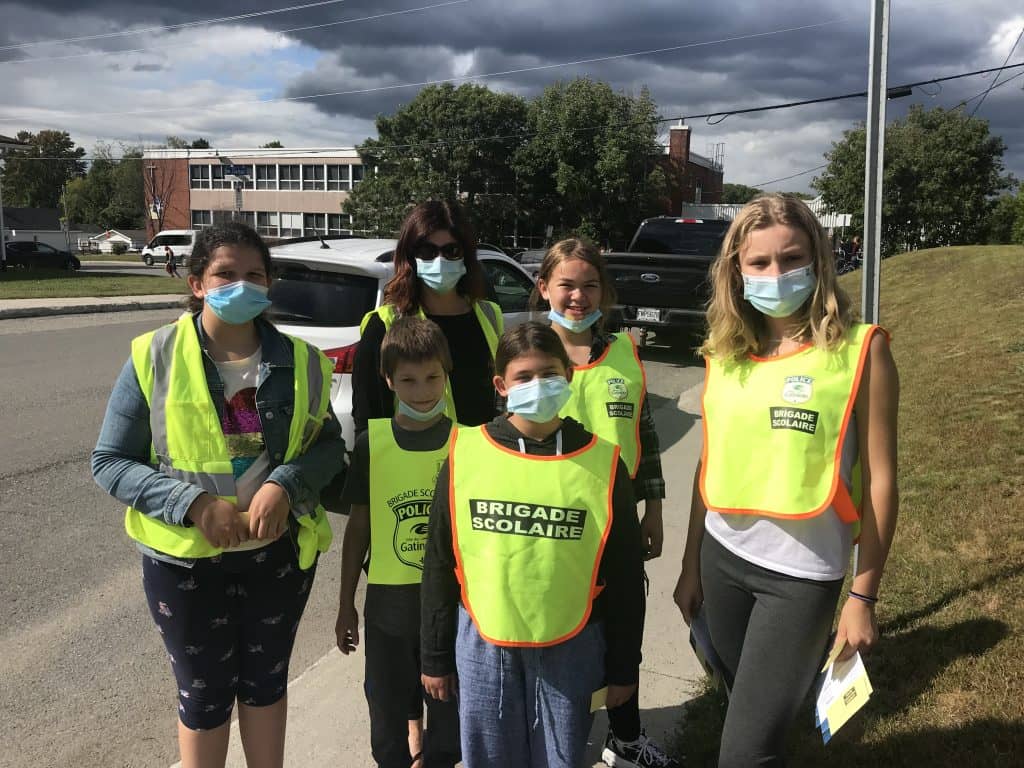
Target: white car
<point x="181" y="241"/>
<point x="323" y="288"/>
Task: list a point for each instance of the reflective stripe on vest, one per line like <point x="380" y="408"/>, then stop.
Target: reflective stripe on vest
<point x="401" y="489"/>
<point x="188" y="442"/>
<point x="488" y="315"/>
<point x="607" y="396"/>
<point x="774" y="431"/>
<point x="528" y="534"/>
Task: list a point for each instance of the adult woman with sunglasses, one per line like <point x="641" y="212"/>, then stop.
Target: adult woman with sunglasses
<point x="437" y="275"/>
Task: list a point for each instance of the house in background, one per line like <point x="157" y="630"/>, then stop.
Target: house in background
<point x="692" y="178"/>
<point x="132" y="239"/>
<point x="42" y="225"/>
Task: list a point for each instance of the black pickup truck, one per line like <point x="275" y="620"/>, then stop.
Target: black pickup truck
<point x="662" y="278"/>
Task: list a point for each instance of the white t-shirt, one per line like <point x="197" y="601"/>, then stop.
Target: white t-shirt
<point x="816" y="548"/>
<point x="242" y="431"/>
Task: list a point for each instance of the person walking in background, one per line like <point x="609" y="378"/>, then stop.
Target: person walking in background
<point x="437" y="276"/>
<point x="389" y="491"/>
<point x="219" y="436"/>
<point x="172" y="262"/>
<point x="609" y="396"/>
<point x="532" y="578"/>
<point x="799" y="461"/>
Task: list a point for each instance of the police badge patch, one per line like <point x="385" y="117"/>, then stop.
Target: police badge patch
<point x="617" y="388"/>
<point x="410" y="539"/>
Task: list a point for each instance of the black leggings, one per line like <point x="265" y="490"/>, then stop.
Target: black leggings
<point x="229" y="624"/>
<point x="770" y="631"/>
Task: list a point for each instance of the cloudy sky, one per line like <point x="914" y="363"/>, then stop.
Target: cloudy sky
<point x="134" y="72"/>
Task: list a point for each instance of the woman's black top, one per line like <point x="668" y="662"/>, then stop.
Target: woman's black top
<point x="471" y="377"/>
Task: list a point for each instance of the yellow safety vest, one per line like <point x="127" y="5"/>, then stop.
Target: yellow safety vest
<point x="607" y="396"/>
<point x="488" y="314"/>
<point x="401" y="489"/>
<point x="774" y="431"/>
<point x="189" y="445"/>
<point x="528" y="534"/>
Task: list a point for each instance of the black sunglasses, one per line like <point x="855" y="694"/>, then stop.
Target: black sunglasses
<point x="427" y="251"/>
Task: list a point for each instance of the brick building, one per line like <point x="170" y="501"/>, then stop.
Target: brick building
<point x="284" y="192"/>
<point x="692" y="178"/>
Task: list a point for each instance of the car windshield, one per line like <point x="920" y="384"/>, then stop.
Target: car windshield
<point x="676" y="237"/>
<point x="304" y="296"/>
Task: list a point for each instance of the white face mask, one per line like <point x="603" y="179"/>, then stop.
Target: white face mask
<point x="539" y="400"/>
<point x="780" y="296"/>
<point x="407" y="410"/>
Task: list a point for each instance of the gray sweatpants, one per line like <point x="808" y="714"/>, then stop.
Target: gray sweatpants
<point x="526" y="707"/>
<point x="770" y="631"/>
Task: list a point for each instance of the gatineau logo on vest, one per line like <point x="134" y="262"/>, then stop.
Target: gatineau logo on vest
<point x="797" y="389"/>
<point x="411" y="518"/>
<point x="519" y="519"/>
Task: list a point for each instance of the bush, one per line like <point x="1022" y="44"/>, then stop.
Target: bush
<point x="119" y="248"/>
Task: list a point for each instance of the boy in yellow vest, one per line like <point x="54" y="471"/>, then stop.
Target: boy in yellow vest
<point x="389" y="489"/>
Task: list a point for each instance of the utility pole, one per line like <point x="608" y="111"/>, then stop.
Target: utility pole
<point x="874" y="159"/>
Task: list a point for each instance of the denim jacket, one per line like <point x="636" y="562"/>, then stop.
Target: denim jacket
<point x="120" y="461"/>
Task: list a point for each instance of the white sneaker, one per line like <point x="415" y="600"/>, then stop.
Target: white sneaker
<point x="642" y="753"/>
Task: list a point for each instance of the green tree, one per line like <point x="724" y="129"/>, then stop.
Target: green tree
<point x="34" y="177"/>
<point x="275" y="144"/>
<point x="432" y="148"/>
<point x="176" y="142"/>
<point x="110" y="195"/>
<point x="1017" y="232"/>
<point x="591" y="166"/>
<point x="200" y="143"/>
<point x="942" y="172"/>
<point x="739" y="193"/>
<point x="1000" y="222"/>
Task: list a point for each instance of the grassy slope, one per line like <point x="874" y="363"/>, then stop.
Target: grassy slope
<point x="948" y="675"/>
<point x="44" y="283"/>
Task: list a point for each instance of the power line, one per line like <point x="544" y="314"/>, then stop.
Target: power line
<point x="184" y="25"/>
<point x="466" y="78"/>
<point x="90" y="54"/>
<point x="978" y="105"/>
<point x="638" y="123"/>
<point x="795" y="175"/>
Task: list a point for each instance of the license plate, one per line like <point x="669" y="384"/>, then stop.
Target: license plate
<point x="647" y="313"/>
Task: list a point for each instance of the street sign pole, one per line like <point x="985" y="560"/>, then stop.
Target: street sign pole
<point x="874" y="159"/>
<point x="3" y="230"/>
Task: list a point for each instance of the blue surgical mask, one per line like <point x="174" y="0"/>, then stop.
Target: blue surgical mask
<point x="780" y="296"/>
<point x="576" y="326"/>
<point x="540" y="399"/>
<point x="237" y="303"/>
<point x="440" y="274"/>
<point x="407" y="410"/>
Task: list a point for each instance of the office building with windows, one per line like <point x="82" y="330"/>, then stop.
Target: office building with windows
<point x="281" y="192"/>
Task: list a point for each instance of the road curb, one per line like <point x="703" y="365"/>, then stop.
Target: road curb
<point x="90" y="308"/>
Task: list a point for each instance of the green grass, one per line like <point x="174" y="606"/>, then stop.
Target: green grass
<point x="48" y="284"/>
<point x="948" y="672"/>
<point x="129" y="257"/>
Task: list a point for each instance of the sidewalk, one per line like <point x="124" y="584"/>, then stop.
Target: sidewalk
<point x="10" y="308"/>
<point x="328" y="723"/>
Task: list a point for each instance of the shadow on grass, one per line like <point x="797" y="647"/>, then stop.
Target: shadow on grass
<point x="903" y="666"/>
<point x="672" y="423"/>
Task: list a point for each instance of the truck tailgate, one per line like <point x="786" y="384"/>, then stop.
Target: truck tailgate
<point x="660" y="280"/>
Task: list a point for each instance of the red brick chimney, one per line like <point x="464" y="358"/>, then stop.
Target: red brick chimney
<point x="679" y="144"/>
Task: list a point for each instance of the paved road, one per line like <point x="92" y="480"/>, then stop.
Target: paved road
<point x="127" y="268"/>
<point x="83" y="675"/>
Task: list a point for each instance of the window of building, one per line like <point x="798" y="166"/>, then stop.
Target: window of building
<point x="199" y="176"/>
<point x="697" y="194"/>
<point x="313" y="177"/>
<point x="266" y="222"/>
<point x="339" y="177"/>
<point x="247" y="217"/>
<point x="291" y="224"/>
<point x="288" y="177"/>
<point x="217" y="178"/>
<point x="314" y="224"/>
<point x="202" y="219"/>
<point x="266" y="177"/>
<point x="357" y="175"/>
<point x="339" y="224"/>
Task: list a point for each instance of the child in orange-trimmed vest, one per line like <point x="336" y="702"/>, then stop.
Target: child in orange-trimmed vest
<point x="532" y="578"/>
<point x="389" y="489"/>
<point x="609" y="396"/>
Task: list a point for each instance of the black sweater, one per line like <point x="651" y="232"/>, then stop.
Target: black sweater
<point x="620" y="605"/>
<point x="471" y="377"/>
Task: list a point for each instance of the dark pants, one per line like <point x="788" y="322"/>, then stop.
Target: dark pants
<point x="624" y="720"/>
<point x="392" y="685"/>
<point x="228" y="624"/>
<point x="770" y="631"/>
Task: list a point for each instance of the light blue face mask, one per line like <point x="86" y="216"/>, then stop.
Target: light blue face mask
<point x="539" y="400"/>
<point x="576" y="326"/>
<point x="407" y="410"/>
<point x="239" y="302"/>
<point x="440" y="274"/>
<point x="780" y="296"/>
